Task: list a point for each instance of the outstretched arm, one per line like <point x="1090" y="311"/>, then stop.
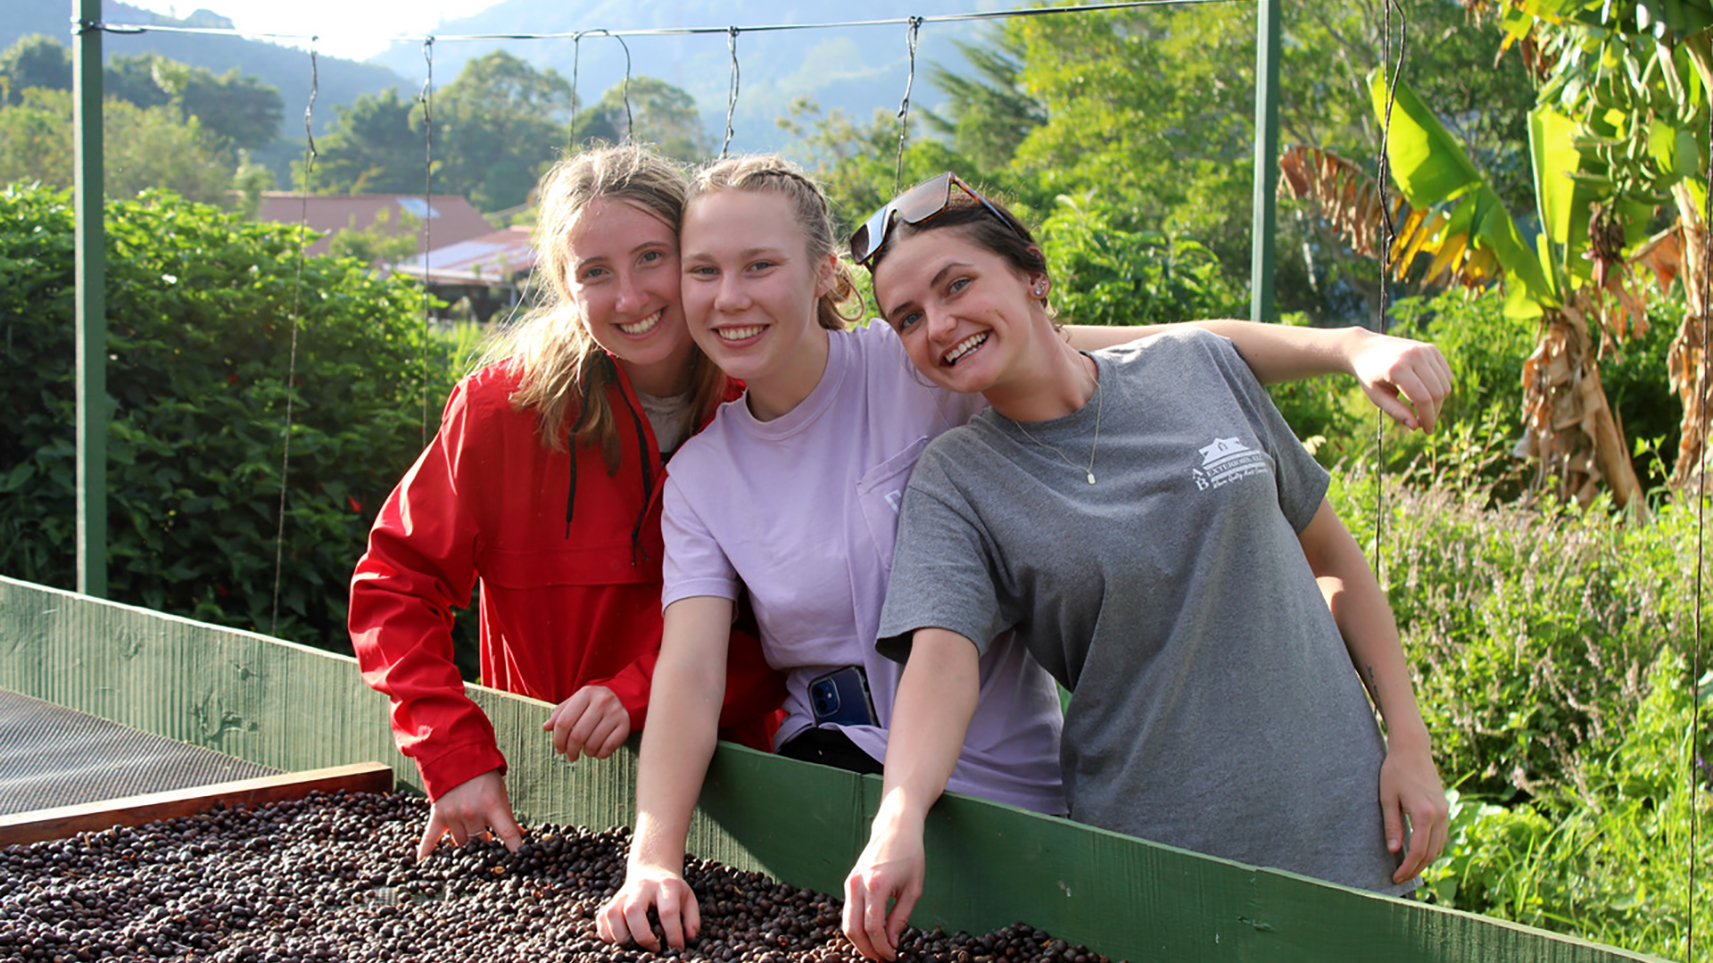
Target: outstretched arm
<point x="1409" y="783"/>
<point x="930" y="715"/>
<point x="1408" y="380"/>
<point x="689" y="683"/>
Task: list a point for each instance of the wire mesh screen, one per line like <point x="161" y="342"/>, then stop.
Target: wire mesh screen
<point x="52" y="756"/>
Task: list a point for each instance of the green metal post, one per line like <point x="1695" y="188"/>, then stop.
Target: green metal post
<point x="91" y="274"/>
<point x="1261" y="304"/>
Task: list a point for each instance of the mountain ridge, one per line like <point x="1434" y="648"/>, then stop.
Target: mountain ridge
<point x="337" y="81"/>
<point x="854" y="68"/>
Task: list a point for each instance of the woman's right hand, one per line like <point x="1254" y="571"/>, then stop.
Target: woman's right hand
<point x="689" y="681"/>
<point x="891" y="868"/>
<point x="470" y="810"/>
<point x="624" y="918"/>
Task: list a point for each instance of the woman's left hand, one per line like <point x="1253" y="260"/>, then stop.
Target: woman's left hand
<point x="593" y="722"/>
<point x="1410" y="788"/>
<point x="1394" y="371"/>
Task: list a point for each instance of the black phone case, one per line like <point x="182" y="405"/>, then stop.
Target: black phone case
<point x="841" y="697"/>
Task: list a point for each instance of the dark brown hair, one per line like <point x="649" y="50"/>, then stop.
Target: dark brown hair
<point x="1010" y="238"/>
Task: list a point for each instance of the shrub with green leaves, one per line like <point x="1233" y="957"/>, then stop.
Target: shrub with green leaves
<point x="1609" y="857"/>
<point x="1550" y="650"/>
<point x="1531" y="629"/>
<point x="202" y="308"/>
<point x="1108" y="273"/>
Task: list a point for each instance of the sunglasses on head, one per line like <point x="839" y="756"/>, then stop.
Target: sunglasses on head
<point x="914" y="206"/>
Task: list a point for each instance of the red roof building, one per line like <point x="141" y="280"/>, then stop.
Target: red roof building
<point x="449" y="219"/>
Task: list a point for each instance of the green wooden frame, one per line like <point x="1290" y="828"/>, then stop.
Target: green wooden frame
<point x="293" y="708"/>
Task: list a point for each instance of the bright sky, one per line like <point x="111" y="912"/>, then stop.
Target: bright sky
<point x="357" y="29"/>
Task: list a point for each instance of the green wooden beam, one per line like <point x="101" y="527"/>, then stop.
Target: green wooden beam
<point x="1262" y="306"/>
<point x="294" y="708"/>
<point x="91" y="304"/>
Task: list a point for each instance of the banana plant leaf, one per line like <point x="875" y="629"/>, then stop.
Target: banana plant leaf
<point x="1431" y="169"/>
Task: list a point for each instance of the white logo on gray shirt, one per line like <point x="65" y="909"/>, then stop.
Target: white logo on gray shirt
<point x="1226" y="460"/>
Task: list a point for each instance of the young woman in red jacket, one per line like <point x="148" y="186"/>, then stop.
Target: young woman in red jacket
<point x="541" y="491"/>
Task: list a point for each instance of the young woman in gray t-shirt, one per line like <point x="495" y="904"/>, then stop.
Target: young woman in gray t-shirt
<point x="1149" y="526"/>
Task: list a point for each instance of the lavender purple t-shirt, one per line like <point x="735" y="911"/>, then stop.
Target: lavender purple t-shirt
<point x="802" y="511"/>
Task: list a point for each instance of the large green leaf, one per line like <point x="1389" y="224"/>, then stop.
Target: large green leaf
<point x="1431" y="169"/>
<point x="1564" y="203"/>
<point x="1427" y="162"/>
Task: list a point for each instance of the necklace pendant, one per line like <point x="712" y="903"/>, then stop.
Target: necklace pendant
<point x="1091" y="478"/>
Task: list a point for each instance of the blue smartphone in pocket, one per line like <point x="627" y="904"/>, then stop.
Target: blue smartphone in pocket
<point x="841" y="697"/>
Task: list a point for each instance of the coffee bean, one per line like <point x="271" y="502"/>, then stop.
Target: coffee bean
<point x="333" y="877"/>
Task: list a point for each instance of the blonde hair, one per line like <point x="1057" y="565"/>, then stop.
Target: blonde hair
<point x="773" y="174"/>
<point x="559" y="360"/>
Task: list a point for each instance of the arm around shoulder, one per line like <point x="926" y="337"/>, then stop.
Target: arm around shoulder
<point x="1409" y="380"/>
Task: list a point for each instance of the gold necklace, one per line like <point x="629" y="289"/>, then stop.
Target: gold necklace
<point x="1098" y="398"/>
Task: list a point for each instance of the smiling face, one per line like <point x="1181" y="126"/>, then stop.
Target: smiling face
<point x="750" y="292"/>
<point x="623" y="274"/>
<point x="969" y="319"/>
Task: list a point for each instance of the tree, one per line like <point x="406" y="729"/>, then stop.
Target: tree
<point x="132" y="78"/>
<point x="151" y="148"/>
<point x="36" y="139"/>
<point x="377" y="243"/>
<point x="1634" y="78"/>
<point x="497" y="126"/>
<point x="988" y="110"/>
<point x="1453" y="221"/>
<point x="237" y="107"/>
<point x="1154" y="109"/>
<point x="376" y="145"/>
<point x="650" y="111"/>
<point x="35" y="61"/>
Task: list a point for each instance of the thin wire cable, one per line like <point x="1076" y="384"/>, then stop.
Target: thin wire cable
<point x="732" y="97"/>
<point x="427" y="98"/>
<point x="630" y="119"/>
<point x="904" y="106"/>
<point x="688" y="31"/>
<point x="1388" y="237"/>
<point x="576" y="55"/>
<point x="296" y="302"/>
<point x="576" y="58"/>
<point x="1695" y="760"/>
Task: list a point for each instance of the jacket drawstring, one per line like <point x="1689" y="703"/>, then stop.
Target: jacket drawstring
<point x="647" y="481"/>
<point x="571" y="448"/>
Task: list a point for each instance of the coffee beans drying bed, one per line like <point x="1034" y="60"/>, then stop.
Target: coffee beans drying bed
<point x="335" y="878"/>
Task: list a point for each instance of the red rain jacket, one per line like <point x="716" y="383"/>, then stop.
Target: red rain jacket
<point x="568" y="561"/>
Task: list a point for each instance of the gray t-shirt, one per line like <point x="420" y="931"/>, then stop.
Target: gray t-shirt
<point x="1215" y="706"/>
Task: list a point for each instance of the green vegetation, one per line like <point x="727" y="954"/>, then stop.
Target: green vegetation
<point x="146" y="148"/>
<point x="1552" y="648"/>
<point x="1552" y="645"/>
<point x="166" y="126"/>
<point x="205" y="313"/>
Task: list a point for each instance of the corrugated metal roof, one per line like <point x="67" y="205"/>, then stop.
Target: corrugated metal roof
<point x="491" y="260"/>
<point x="451" y="219"/>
